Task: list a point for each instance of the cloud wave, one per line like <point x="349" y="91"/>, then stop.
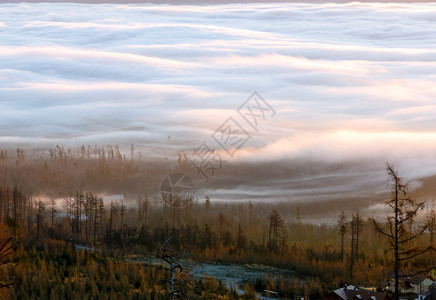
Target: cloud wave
<point x="346" y="80"/>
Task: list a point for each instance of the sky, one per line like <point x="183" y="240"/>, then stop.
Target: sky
<point x="345" y="81"/>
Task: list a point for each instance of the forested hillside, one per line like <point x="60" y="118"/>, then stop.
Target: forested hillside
<point x="53" y="200"/>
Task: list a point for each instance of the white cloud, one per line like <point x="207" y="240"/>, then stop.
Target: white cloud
<point x="346" y="80"/>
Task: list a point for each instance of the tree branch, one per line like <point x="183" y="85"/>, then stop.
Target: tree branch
<point x="380" y="230"/>
<point x="414" y="236"/>
<point x="416" y="254"/>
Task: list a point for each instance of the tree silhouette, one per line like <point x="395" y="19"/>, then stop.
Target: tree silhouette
<point x="342" y="223"/>
<point x="358" y="223"/>
<point x="276" y="229"/>
<point x="40" y="218"/>
<point x="221" y="219"/>
<point x="241" y="240"/>
<point x="179" y="280"/>
<point x="52" y="215"/>
<point x="404" y="210"/>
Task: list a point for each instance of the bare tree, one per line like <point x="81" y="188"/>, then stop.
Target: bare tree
<point x="179" y="280"/>
<point x="342" y="223"/>
<point x="98" y="208"/>
<point x="145" y="209"/>
<point x="250" y="213"/>
<point x="276" y="229"/>
<point x="140" y="213"/>
<point x="241" y="240"/>
<point x="52" y="215"/>
<point x="207" y="206"/>
<point x="87" y="207"/>
<point x="404" y="209"/>
<point x="68" y="206"/>
<point x="17" y="208"/>
<point x="122" y="213"/>
<point x="358" y="223"/>
<point x="221" y="219"/>
<point x="40" y="218"/>
<point x="77" y="208"/>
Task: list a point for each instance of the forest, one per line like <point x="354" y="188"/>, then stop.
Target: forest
<point x="54" y="201"/>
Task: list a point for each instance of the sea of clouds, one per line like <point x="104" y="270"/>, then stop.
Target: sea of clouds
<point x="346" y="80"/>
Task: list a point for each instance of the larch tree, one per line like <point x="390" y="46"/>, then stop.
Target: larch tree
<point x="145" y="209"/>
<point x="140" y="220"/>
<point x="53" y="211"/>
<point x="250" y="213"/>
<point x="40" y="218"/>
<point x="77" y="210"/>
<point x="276" y="229"/>
<point x="352" y="243"/>
<point x="112" y="222"/>
<point x="358" y="223"/>
<point x="67" y="205"/>
<point x="221" y="219"/>
<point x="404" y="210"/>
<point x="122" y="210"/>
<point x="207" y="206"/>
<point x="241" y="240"/>
<point x="342" y="224"/>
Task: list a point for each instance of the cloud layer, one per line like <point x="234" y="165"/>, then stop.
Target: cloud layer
<point x="346" y="80"/>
